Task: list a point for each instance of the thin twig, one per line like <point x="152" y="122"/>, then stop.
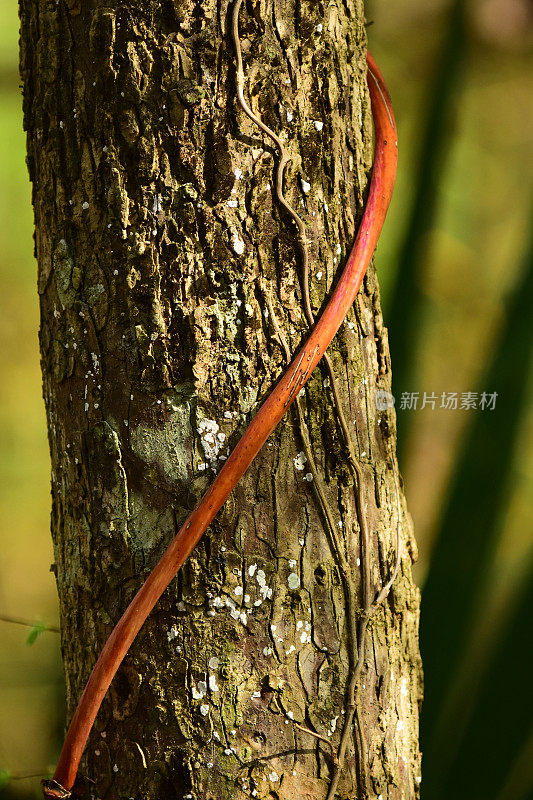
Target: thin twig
<point x="29" y="624"/>
<point x="319" y="737"/>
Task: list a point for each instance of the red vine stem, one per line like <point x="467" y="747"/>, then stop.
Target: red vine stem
<point x="259" y="429"/>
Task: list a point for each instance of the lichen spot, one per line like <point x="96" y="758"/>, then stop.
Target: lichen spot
<point x="318" y="124"/>
<point x="237" y="244"/>
<point x="293" y="581"/>
<point x="172" y="633"/>
<point x="299" y="461"/>
<point x="306" y="187"/>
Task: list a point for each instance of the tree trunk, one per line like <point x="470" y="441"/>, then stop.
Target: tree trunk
<point x="165" y="267"/>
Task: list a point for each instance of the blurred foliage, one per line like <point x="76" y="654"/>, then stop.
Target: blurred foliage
<point x="445" y="336"/>
<point x="31" y="691"/>
<point x="465" y="548"/>
<point x="443" y="99"/>
<point x="456" y="286"/>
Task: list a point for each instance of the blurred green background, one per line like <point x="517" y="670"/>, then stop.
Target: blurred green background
<point x="456" y="271"/>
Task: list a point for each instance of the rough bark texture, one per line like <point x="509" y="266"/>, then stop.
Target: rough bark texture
<point x="157" y="237"/>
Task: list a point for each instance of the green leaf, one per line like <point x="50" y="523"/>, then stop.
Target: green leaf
<point x="5" y="778"/>
<point x="35" y="631"/>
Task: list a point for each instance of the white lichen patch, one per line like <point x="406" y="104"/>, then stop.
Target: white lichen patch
<point x="300" y="461"/>
<point x="199" y="691"/>
<point x="306" y="187"/>
<point x="237" y="244"/>
<point x="293" y="581"/>
<point x="211" y="439"/>
<point x="289" y="116"/>
<point x="308" y="477"/>
<point x="204" y="710"/>
<point x="172" y="633"/>
<point x="318" y="124"/>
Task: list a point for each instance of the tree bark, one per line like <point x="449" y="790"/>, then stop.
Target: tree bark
<point x="160" y="249"/>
